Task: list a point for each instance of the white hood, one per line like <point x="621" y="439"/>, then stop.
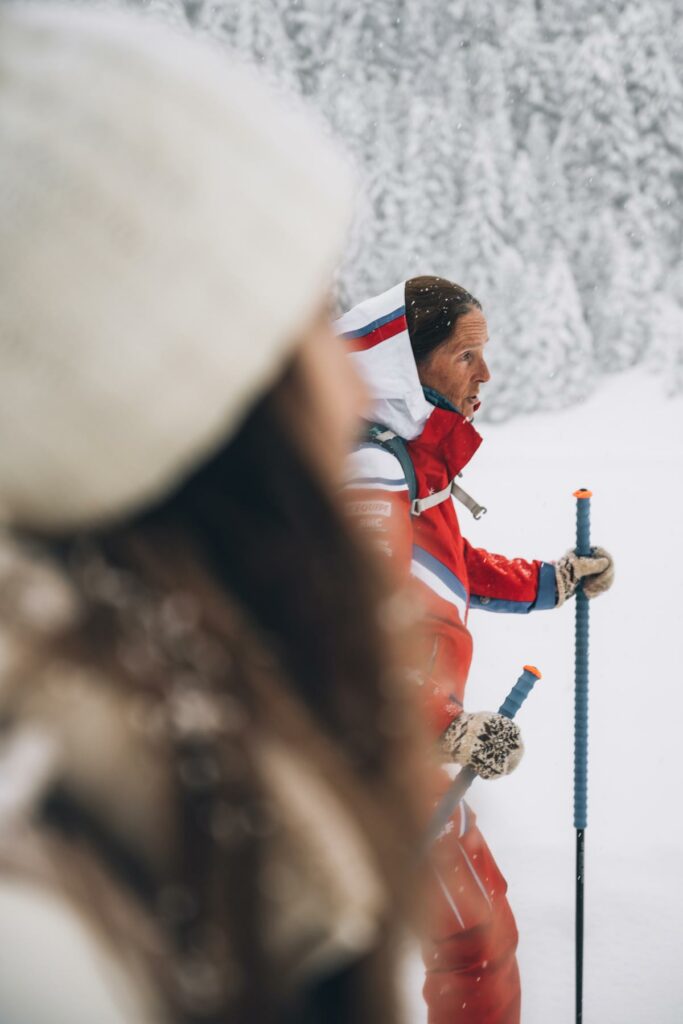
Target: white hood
<point x="377" y="333"/>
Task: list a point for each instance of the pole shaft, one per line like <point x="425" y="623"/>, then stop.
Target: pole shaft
<point x="583" y="547"/>
<point x="579" y="923"/>
<point x="581" y="674"/>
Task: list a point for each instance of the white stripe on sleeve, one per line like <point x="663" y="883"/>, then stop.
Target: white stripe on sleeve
<point x="374" y="468"/>
<point x="441" y="589"/>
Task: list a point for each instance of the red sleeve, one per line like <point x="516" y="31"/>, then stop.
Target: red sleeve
<point x="503" y="584"/>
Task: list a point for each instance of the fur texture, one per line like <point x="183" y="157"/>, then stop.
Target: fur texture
<point x="487" y="742"/>
<point x="596" y="570"/>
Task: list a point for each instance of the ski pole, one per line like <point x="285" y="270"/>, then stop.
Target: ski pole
<point x="583" y="507"/>
<point x="466" y="776"/>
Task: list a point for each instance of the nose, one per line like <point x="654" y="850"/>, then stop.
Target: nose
<point x="483" y="374"/>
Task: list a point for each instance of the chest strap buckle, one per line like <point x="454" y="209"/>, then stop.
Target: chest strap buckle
<point x="420" y="505"/>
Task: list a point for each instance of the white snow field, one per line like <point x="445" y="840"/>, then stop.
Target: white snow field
<point x="625" y="443"/>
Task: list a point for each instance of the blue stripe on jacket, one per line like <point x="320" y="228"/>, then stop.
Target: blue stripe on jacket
<point x="362" y="331"/>
<point x="360" y="480"/>
<point x="447" y="576"/>
<point x="546" y="596"/>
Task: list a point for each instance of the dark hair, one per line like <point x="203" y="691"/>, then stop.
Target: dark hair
<point x="265" y="531"/>
<point x="270" y="533"/>
<point x="433" y="308"/>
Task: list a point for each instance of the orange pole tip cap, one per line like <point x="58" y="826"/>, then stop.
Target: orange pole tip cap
<point x="534" y="671"/>
<point x="583" y="492"/>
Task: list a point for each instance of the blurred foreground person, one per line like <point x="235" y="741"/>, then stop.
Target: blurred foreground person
<point x="207" y="780"/>
<point x="421" y="348"/>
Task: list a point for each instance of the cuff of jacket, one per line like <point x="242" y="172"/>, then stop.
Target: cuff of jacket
<point x="547" y="588"/>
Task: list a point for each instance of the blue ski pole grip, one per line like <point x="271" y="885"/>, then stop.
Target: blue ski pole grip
<point x="519" y="692"/>
<point x="583" y="521"/>
<point x="583" y="547"/>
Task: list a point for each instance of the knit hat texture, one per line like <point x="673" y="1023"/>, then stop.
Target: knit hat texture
<point x="168" y="225"/>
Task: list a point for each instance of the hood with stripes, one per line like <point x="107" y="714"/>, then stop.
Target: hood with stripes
<point x="377" y="333"/>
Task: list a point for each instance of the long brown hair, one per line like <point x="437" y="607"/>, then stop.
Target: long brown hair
<point x="255" y="526"/>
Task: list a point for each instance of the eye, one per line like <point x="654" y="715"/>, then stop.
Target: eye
<point x="467" y="357"/>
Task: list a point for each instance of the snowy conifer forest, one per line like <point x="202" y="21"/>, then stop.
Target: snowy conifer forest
<point x="531" y="150"/>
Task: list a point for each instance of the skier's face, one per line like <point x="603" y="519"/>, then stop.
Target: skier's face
<point x="457" y="368"/>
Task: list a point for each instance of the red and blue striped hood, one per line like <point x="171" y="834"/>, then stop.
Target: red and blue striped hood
<point x="377" y="333"/>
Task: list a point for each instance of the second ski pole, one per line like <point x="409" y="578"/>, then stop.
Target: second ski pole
<point x="466" y="776"/>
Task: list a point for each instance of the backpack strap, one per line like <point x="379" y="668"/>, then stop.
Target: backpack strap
<point x="391" y="442"/>
<point x="467" y="500"/>
<point x="420" y="505"/>
<point x="394" y="444"/>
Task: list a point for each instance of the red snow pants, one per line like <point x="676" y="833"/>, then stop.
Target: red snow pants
<point x="472" y="975"/>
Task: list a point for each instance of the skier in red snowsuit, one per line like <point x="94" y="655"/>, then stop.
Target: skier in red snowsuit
<point x="420" y="348"/>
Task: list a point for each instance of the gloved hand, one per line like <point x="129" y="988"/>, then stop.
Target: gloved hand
<point x="596" y="570"/>
<point x="489" y="743"/>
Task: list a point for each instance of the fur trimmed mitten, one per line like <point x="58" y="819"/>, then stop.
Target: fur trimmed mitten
<point x="489" y="743"/>
<point x="596" y="570"/>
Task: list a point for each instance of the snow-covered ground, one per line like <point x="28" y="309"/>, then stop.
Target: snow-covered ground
<point x="625" y="443"/>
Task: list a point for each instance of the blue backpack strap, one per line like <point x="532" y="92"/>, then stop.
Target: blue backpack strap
<point x="391" y="442"/>
<point x="378" y="434"/>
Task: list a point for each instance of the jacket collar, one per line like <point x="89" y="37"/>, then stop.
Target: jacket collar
<point x="448" y="434"/>
<point x="435" y="397"/>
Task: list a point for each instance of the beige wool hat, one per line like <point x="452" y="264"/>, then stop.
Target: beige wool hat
<point x="167" y="226"/>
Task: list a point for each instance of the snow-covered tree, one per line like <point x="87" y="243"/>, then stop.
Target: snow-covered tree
<point x="563" y="354"/>
<point x="533" y="73"/>
<point x="524" y="220"/>
<point x="622" y="312"/>
<point x="489" y="98"/>
<point x="507" y="144"/>
<point x="482" y="228"/>
<point x="656" y="95"/>
<point x="597" y="144"/>
<point x="173" y="12"/>
<point x="666" y="352"/>
<point x="309" y="31"/>
<point x="474" y="22"/>
<point x="511" y="335"/>
<point x="255" y="30"/>
<point x="543" y="356"/>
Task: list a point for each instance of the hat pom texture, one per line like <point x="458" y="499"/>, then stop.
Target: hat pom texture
<point x="167" y="226"/>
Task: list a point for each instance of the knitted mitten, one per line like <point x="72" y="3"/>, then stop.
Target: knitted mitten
<point x="489" y="743"/>
<point x="596" y="570"/>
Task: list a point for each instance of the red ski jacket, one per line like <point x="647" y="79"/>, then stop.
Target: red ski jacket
<point x="451" y="576"/>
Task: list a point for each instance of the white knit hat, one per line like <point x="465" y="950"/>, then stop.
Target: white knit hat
<point x="166" y="228"/>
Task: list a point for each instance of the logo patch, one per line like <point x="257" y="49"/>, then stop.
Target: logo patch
<point x="369" y="508"/>
<point x="371" y="523"/>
